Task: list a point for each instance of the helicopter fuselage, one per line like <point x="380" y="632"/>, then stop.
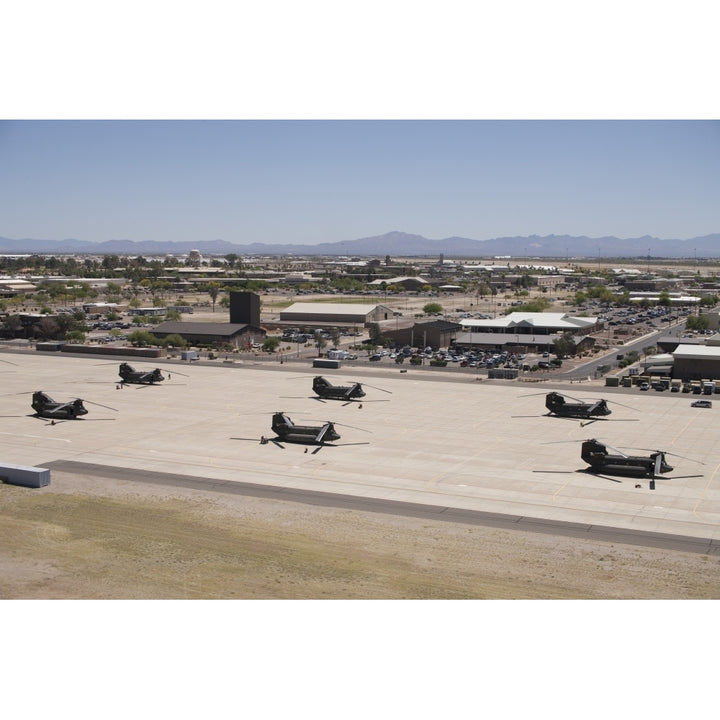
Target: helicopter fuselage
<point x="595" y="454"/>
<point x="558" y="405"/>
<point x="287" y="431"/>
<point x="130" y="375"/>
<point x="326" y="390"/>
<point x="45" y="406"/>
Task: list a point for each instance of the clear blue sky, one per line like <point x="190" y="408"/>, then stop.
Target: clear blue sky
<point x="319" y="181"/>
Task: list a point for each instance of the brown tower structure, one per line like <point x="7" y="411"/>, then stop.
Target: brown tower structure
<point x="245" y="308"/>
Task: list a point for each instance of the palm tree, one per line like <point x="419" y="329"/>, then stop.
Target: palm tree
<point x="213" y="289"/>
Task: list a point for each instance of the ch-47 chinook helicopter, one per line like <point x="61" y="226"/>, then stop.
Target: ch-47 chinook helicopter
<point x="287" y="431"/>
<point x="602" y="462"/>
<point x="45" y="407"/>
<point x="140" y="377"/>
<point x="596" y="455"/>
<point x="325" y="390"/>
<point x="558" y="405"/>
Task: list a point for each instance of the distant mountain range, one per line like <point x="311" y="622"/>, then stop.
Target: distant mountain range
<point x="399" y="244"/>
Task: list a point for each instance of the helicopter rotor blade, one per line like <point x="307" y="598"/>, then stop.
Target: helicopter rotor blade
<point x="583" y="402"/>
<point x="9" y="363"/>
<point x="621" y="405"/>
<point x="600" y="475"/>
<point x="107" y="407"/>
<point x="665" y="452"/>
<point x="681" y="477"/>
<point x="352" y="427"/>
<point x="619" y="452"/>
<point x="377" y="388"/>
<point x="699" y="462"/>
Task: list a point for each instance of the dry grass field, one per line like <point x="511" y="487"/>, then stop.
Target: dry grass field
<point x="85" y="538"/>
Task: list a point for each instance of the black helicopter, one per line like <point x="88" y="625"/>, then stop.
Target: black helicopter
<point x="327" y="391"/>
<point x="45" y="407"/>
<point x="140" y="377"/>
<point x="558" y="405"/>
<point x="596" y="455"/>
<point x="286" y="431"/>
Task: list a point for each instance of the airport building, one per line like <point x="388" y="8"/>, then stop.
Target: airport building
<point x="334" y="314"/>
<point x="696" y="362"/>
<point x="237" y="335"/>
<point x="525" y="331"/>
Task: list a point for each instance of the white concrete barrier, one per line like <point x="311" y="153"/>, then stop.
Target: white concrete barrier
<point x="24" y="475"/>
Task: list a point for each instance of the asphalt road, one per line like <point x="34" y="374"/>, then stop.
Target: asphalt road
<point x="393" y="507"/>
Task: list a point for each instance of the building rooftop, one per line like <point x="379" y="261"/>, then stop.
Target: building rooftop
<point x="561" y="321"/>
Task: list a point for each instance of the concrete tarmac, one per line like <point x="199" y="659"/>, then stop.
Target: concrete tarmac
<point x="435" y="439"/>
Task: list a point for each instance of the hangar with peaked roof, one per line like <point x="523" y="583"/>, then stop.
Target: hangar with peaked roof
<point x="210" y="333"/>
<point x="336" y="314"/>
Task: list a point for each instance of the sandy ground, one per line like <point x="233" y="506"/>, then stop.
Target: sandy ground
<point x="86" y="538"/>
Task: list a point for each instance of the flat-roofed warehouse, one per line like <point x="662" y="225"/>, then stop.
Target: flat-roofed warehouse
<point x="336" y="314"/>
<point x="696" y="362"/>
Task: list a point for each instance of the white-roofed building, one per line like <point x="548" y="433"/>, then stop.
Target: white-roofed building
<point x="409" y="283"/>
<point x="15" y="286"/>
<point x="528" y="330"/>
<point x="533" y="323"/>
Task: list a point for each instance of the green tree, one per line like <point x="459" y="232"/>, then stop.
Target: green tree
<point x="319" y="340"/>
<point x="232" y="260"/>
<point x="565" y="345"/>
<point x="142" y="338"/>
<point x="75" y="337"/>
<point x="432" y="307"/>
<point x="271" y="344"/>
<point x="697" y="322"/>
<point x="213" y="289"/>
<point x="175" y="340"/>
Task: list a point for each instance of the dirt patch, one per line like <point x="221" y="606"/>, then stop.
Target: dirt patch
<point x="95" y="540"/>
